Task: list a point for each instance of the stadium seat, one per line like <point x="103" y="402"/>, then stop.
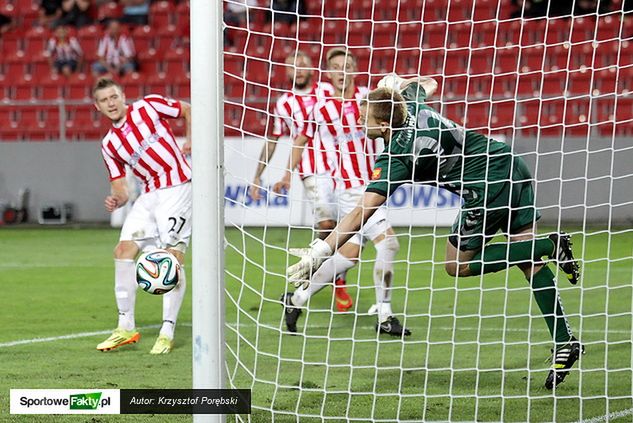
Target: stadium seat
<point x="503" y="115"/>
<point x="553" y="83"/>
<point x="484" y="34"/>
<point x="459" y="34"/>
<point x="434" y="35"/>
<point x="88" y="37"/>
<point x="133" y="86"/>
<point x="182" y="88"/>
<point x="532" y="58"/>
<point x="182" y="13"/>
<point x="507" y="60"/>
<point x="176" y="61"/>
<point x="456" y="62"/>
<point x="257" y="70"/>
<point x="435" y="10"/>
<point x="158" y="83"/>
<point x="409" y="34"/>
<point x="486" y="10"/>
<point x="532" y="32"/>
<point x="460" y="10"/>
<point x="77" y="87"/>
<point x="234" y="64"/>
<point x="51" y="87"/>
<point x="583" y="29"/>
<point x="109" y="10"/>
<point x="166" y="38"/>
<point x="384" y="35"/>
<point x="161" y="13"/>
<point x="143" y="37"/>
<point x="508" y="33"/>
<point x="529" y="84"/>
<point x="481" y="61"/>
<point x="410" y="11"/>
<point x="504" y="86"/>
<point x="577" y="115"/>
<point x="233" y="87"/>
<point x="558" y="30"/>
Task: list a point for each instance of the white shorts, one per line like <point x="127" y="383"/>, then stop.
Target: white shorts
<point x="347" y="200"/>
<point x="160" y="219"/>
<point x="319" y="189"/>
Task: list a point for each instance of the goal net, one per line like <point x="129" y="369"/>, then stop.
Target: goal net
<point x="552" y="82"/>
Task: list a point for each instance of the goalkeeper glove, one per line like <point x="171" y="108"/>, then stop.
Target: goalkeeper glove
<point x="310" y="260"/>
<point x="391" y="81"/>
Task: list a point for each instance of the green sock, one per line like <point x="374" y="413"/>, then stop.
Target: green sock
<point x="544" y="289"/>
<point x="496" y="257"/>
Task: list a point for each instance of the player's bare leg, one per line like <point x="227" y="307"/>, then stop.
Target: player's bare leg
<point x="125" y="293"/>
<point x="342" y="298"/>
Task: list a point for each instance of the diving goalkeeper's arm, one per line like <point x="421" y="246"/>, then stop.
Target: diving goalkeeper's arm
<point x="320" y="250"/>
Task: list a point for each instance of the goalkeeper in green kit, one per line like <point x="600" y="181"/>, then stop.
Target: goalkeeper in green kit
<point x="495" y="186"/>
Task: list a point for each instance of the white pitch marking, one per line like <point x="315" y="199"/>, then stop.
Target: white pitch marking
<point x="71" y="336"/>
<point x="609" y="417"/>
<point x="244" y="325"/>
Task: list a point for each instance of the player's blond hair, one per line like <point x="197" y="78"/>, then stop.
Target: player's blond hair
<point x="103" y="83"/>
<point x="387" y="105"/>
<point x="339" y="51"/>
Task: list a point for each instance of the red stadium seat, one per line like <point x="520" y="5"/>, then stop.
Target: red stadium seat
<point x="182" y="88"/>
<point x="579" y="82"/>
<point x="583" y="29"/>
<point x="384" y="35"/>
<point x="487" y="9"/>
<point x="507" y="60"/>
<point x="182" y="13"/>
<point x="409" y="34"/>
<point x="553" y="84"/>
<point x="434" y="10"/>
<point x="481" y="61"/>
<point x="161" y="13"/>
<point x="529" y="84"/>
<point x="459" y="34"/>
<point x="460" y="10"/>
<point x="51" y="87"/>
<point x="456" y="62"/>
<point x="434" y="35"/>
<point x="133" y="86"/>
<point x="533" y="32"/>
<point x="176" y="62"/>
<point x="109" y="10"/>
<point x="503" y="115"/>
<point x="484" y="34"/>
<point x="532" y="59"/>
<point x="558" y="30"/>
<point x="78" y="87"/>
<point x="158" y="84"/>
<point x="509" y="33"/>
<point x="504" y="86"/>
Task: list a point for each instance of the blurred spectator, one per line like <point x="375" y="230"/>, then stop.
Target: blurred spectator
<point x="135" y="12"/>
<point x="5" y="23"/>
<point x="75" y="13"/>
<point x="64" y="52"/>
<point x="116" y="52"/>
<point x="50" y="11"/>
<point x="236" y="13"/>
<point x="287" y="10"/>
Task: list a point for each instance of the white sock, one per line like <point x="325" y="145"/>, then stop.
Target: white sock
<point x="324" y="276"/>
<point x="386" y="251"/>
<point x="171" y="305"/>
<point x="125" y="292"/>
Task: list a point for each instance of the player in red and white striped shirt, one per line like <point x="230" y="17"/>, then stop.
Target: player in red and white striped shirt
<point x="141" y="139"/>
<point x="317" y="161"/>
<point x="335" y="120"/>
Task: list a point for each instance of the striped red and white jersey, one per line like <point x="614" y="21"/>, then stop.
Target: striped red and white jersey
<point x="116" y="51"/>
<point x="145" y="142"/>
<point x="290" y="117"/>
<point x="336" y="121"/>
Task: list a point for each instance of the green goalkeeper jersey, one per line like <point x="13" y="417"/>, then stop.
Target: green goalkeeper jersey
<point x="432" y="149"/>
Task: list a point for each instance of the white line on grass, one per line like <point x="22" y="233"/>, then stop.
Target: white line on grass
<point x="609" y="417"/>
<point x="244" y="325"/>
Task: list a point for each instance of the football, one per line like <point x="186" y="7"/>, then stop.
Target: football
<point x="157" y="271"/>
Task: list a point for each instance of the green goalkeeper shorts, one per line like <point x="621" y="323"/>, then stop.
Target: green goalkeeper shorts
<point x="510" y="211"/>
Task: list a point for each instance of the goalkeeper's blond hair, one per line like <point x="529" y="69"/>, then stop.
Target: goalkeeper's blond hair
<point x="387" y="105"/>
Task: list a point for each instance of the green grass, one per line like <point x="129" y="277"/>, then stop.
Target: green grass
<point x="477" y="352"/>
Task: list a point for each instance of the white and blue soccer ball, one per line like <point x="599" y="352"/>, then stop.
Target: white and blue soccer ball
<point x="157" y="271"/>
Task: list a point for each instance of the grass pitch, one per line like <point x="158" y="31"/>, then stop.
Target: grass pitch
<point x="477" y="352"/>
